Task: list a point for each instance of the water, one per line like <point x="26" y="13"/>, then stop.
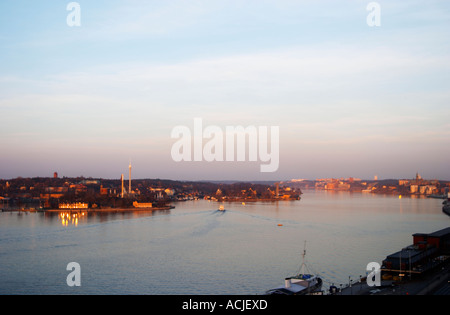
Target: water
<point x="195" y="249"/>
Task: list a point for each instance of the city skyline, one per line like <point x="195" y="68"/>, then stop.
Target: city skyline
<point x="350" y="100"/>
<point x="130" y="178"/>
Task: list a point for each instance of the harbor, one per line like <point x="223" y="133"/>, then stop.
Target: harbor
<point x="197" y="249"/>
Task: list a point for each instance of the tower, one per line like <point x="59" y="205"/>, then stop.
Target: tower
<point x="121" y="179"/>
<point x="129" y="176"/>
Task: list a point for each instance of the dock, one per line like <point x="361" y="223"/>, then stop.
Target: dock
<point x="436" y="283"/>
<point x="422" y="268"/>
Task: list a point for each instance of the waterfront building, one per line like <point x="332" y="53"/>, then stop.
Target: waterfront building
<point x="403" y="182"/>
<point x="169" y="191"/>
<point x="142" y="204"/>
<point x="74" y="205"/>
<point x="428" y="251"/>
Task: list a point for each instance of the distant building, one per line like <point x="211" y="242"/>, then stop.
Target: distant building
<point x="343" y="186"/>
<point x="169" y="191"/>
<point x="73" y="205"/>
<point x="142" y="204"/>
<point x="51" y="195"/>
<point x="90" y="182"/>
<point x="79" y="188"/>
<point x="3" y="202"/>
<point x="56" y="189"/>
<point x="103" y="191"/>
<point x="53" y="192"/>
<point x="55" y="175"/>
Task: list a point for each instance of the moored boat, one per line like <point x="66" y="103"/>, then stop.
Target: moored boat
<point x="303" y="283"/>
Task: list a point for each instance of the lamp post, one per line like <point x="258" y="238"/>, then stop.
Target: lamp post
<point x="350" y="285"/>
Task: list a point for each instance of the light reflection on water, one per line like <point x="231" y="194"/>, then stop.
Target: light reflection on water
<point x="72" y="217"/>
<point x="196" y="249"/>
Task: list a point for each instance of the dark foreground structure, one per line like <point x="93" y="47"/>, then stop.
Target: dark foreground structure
<point x="422" y="268"/>
<point x="427" y="252"/>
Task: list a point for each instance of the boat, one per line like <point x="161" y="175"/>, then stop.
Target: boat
<point x="303" y="283"/>
<point x="221" y="208"/>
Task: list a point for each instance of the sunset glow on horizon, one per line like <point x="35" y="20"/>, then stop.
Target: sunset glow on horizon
<point x="349" y="99"/>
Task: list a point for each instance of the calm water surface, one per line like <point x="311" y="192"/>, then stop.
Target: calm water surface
<point x="195" y="249"/>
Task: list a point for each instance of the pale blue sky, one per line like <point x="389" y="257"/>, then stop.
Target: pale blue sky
<point x="350" y="100"/>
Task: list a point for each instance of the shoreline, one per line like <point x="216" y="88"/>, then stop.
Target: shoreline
<point x="254" y="200"/>
<point x="104" y="210"/>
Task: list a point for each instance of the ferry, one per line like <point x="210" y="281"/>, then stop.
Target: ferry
<point x="300" y="284"/>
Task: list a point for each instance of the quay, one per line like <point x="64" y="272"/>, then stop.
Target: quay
<point x="422" y="268"/>
<point x="435" y="283"/>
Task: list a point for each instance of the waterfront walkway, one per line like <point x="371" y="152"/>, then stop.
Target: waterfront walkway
<point x="436" y="283"/>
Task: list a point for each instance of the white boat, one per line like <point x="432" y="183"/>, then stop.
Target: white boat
<point x="300" y="284"/>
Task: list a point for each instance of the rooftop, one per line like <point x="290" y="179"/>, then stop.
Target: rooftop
<point x="440" y="233"/>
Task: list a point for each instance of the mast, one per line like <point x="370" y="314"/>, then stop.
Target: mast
<point x="129" y="176"/>
<point x="302" y="271"/>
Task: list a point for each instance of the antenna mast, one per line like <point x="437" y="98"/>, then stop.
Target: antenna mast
<point x="129" y="176"/>
<point x="302" y="268"/>
<point x="121" y="179"/>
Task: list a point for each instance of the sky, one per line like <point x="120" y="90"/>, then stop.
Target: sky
<point x="350" y="100"/>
